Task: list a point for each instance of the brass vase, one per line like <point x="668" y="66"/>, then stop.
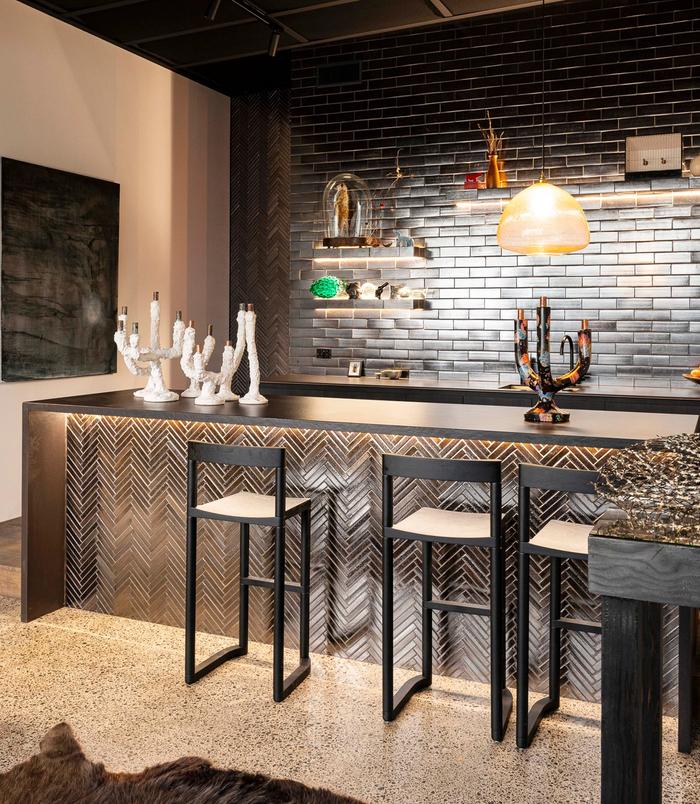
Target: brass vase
<point x="492" y="174"/>
<point x="502" y="177"/>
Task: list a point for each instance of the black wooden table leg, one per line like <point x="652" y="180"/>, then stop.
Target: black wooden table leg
<point x="631" y="706"/>
<point x="686" y="661"/>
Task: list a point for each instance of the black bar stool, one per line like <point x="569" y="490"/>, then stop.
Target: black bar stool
<point x="558" y="540"/>
<point x="249" y="509"/>
<point x="430" y="525"/>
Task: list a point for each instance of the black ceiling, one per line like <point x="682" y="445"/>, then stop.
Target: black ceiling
<point x="230" y="53"/>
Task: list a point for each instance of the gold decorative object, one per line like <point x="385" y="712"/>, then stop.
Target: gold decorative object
<point x="494" y="146"/>
<point x="492" y="175"/>
<point x="543" y="218"/>
<point x="502" y="177"/>
<point x="693" y="375"/>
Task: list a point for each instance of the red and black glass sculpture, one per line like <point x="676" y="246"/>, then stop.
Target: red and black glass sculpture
<point x="540" y="379"/>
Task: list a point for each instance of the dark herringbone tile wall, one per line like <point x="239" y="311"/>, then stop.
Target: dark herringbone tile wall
<point x="260" y="154"/>
<point x="126" y="486"/>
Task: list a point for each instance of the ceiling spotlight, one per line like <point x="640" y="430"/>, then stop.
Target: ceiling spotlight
<point x="212" y="10"/>
<point x="274" y="42"/>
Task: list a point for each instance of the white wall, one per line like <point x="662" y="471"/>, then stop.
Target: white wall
<point x="71" y="101"/>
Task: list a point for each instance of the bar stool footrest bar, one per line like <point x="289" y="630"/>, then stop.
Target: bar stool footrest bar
<point x="570" y="624"/>
<point x="269" y="583"/>
<point x="457" y="606"/>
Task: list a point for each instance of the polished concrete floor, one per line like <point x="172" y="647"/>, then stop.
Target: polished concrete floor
<point x="119" y="683"/>
<point x="10" y="557"/>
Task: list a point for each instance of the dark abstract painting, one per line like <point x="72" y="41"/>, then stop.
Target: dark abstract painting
<point x="60" y="242"/>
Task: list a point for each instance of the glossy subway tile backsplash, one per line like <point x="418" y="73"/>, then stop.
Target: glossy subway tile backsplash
<point x="425" y="91"/>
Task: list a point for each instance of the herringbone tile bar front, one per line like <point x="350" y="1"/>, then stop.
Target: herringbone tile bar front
<point x="125" y="542"/>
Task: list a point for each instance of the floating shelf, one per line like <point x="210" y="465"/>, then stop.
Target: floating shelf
<point x="370" y="304"/>
<point x="636" y="193"/>
<point x="375" y="253"/>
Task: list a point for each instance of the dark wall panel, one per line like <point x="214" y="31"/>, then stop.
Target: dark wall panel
<point x="260" y="184"/>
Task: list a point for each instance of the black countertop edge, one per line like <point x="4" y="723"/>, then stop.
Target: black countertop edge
<point x="595" y="429"/>
<point x="589" y="397"/>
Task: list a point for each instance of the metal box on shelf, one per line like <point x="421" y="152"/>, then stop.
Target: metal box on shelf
<point x="653" y="156"/>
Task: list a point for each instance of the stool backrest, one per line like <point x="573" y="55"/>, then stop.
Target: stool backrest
<point x="549" y="478"/>
<point x="458" y="471"/>
<point x="231" y="455"/>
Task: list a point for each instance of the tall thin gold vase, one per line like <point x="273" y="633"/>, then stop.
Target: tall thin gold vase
<point x="502" y="177"/>
<point x="492" y="174"/>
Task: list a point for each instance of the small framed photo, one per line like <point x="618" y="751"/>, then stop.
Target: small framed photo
<point x="356" y="368"/>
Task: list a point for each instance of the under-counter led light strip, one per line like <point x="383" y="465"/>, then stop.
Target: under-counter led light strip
<point x="365" y="309"/>
<point x="591" y="198"/>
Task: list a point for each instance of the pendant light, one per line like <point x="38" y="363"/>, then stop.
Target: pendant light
<point x="543" y="218"/>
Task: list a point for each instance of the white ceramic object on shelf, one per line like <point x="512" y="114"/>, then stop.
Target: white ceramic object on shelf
<point x="142" y="361"/>
<point x="253" y="397"/>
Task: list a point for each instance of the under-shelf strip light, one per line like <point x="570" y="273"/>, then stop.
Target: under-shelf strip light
<point x="638" y="197"/>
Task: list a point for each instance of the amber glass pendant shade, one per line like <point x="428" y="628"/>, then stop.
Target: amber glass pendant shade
<point x="543" y="219"/>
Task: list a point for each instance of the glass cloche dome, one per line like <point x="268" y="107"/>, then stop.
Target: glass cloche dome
<point x="347" y="212"/>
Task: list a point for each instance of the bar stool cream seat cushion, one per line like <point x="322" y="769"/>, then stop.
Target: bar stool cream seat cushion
<point x="247" y="505"/>
<point x="571" y="537"/>
<point x="447" y="524"/>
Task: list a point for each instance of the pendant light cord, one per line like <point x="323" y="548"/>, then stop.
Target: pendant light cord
<point x="542" y="111"/>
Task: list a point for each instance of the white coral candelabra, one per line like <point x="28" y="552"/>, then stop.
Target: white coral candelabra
<point x="194" y="362"/>
<point x="195" y="387"/>
<point x="253" y="397"/>
<point x="143" y="361"/>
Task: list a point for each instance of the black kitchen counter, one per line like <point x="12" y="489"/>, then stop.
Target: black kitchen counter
<point x="588" y="396"/>
<point x="587" y="428"/>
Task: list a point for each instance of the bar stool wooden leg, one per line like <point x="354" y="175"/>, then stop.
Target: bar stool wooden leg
<point x="523" y="668"/>
<point x="392" y="703"/>
<point x="244" y="588"/>
<point x="281" y="686"/>
<point x="278" y="629"/>
<point x="388" y="629"/>
<point x="194" y="672"/>
<point x="427" y="613"/>
<point x="304" y="608"/>
<point x="190" y="600"/>
<point x="501" y="698"/>
<point x="555" y="633"/>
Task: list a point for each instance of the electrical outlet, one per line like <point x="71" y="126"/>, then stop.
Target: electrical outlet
<point x="323" y="354"/>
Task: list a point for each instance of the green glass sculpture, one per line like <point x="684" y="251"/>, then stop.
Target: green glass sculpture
<point x="327" y="287"/>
